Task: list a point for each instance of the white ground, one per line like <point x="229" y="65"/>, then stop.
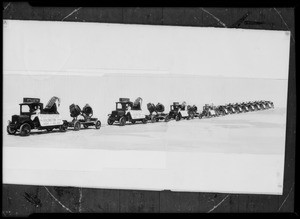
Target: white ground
<point x="241" y="153"/>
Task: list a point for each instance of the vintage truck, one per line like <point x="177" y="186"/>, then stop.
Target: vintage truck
<point x="127" y="110"/>
<point x="34" y="116"/>
<point x="178" y="112"/>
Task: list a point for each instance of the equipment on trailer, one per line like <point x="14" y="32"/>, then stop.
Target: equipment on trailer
<point x="156" y="112"/>
<point x="86" y="113"/>
<point x="178" y="112"/>
<point x="192" y="111"/>
<point x="222" y="110"/>
<point x="34" y="116"/>
<point x="127" y="111"/>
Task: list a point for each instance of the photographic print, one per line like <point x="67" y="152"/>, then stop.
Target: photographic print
<point x="145" y="107"/>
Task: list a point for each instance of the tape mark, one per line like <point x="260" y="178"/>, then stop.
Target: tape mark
<point x="284" y="23"/>
<point x="57" y="200"/>
<point x="219" y="21"/>
<point x="7" y="6"/>
<point x="240" y="21"/>
<point x="72" y="13"/>
<point x="286" y="197"/>
<point x="218" y="204"/>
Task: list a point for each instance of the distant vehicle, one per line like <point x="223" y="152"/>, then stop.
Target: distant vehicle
<point x="34" y="116"/>
<point x="127" y="111"/>
<point x="238" y="108"/>
<point x="178" y="112"/>
<point x="222" y="110"/>
<point x="86" y="113"/>
<point x="208" y="111"/>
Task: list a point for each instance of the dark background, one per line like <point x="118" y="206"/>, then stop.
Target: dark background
<point x="21" y="200"/>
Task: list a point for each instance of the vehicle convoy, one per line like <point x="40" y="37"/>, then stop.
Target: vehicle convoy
<point x="156" y="112"/>
<point x="208" y="111"/>
<point x="178" y="112"/>
<point x="34" y="116"/>
<point x="86" y="113"/>
<point x="127" y="111"/>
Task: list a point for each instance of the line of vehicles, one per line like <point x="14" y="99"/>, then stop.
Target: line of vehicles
<point x="33" y="114"/>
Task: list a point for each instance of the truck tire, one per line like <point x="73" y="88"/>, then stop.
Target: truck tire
<point x="98" y="124"/>
<point x="25" y="129"/>
<point x="110" y="121"/>
<point x="144" y="121"/>
<point x="10" y="130"/>
<point x="122" y="121"/>
<point x="178" y="117"/>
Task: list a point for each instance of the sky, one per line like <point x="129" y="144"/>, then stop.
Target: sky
<point x="72" y="47"/>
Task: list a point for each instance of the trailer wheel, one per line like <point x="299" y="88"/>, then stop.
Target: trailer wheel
<point x="144" y="121"/>
<point x="25" y="129"/>
<point x="98" y="124"/>
<point x="11" y="131"/>
<point x="77" y="126"/>
<point x="167" y="119"/>
<point x="122" y="121"/>
<point x="153" y="119"/>
<point x="62" y="128"/>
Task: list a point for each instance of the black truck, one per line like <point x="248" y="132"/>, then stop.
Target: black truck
<point x="34" y="116"/>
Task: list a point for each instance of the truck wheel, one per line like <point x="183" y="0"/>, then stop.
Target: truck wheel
<point x="133" y="121"/>
<point x="122" y="121"/>
<point x="25" y="129"/>
<point x="77" y="126"/>
<point x="11" y="131"/>
<point x="144" y="121"/>
<point x="177" y="118"/>
<point x="98" y="124"/>
<point x="110" y="121"/>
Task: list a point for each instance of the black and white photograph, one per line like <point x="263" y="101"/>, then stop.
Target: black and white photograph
<point x="197" y="108"/>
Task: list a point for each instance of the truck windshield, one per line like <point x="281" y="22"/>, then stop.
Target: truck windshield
<point x="25" y="109"/>
<point x="119" y="106"/>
